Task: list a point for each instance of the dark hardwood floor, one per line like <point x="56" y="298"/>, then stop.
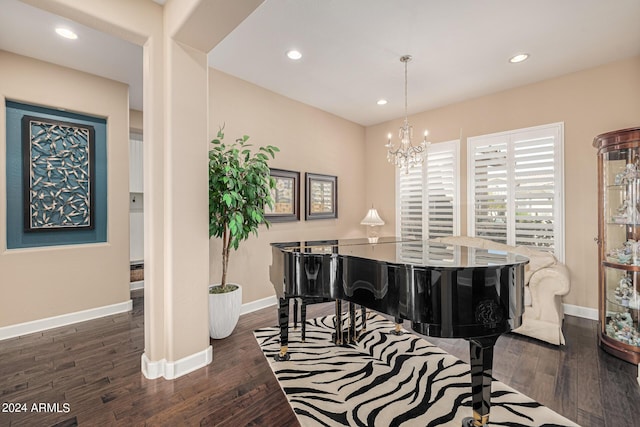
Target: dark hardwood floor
<point x="89" y="374"/>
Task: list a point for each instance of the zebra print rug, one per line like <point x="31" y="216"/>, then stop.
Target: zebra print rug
<point x="386" y="380"/>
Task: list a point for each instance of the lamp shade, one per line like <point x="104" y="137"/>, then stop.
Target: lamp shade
<point x="372" y="218"/>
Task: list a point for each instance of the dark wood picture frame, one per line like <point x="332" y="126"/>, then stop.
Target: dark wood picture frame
<point x="286" y="196"/>
<point x="321" y="196"/>
<point x="58" y="175"/>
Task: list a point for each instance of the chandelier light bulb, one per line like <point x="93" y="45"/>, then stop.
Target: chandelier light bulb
<point x="388" y="144"/>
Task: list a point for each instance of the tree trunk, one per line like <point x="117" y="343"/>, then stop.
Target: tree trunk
<point x="225" y="257"/>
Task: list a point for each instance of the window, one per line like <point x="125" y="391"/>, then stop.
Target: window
<point x="428" y="196"/>
<point x="516" y="186"/>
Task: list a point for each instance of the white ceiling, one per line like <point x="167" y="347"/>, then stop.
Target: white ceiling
<point x="352" y="48"/>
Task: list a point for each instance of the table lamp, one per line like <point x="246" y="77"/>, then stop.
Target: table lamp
<point x="372" y="220"/>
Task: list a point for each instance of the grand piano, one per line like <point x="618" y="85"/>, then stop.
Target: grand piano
<point x="444" y="290"/>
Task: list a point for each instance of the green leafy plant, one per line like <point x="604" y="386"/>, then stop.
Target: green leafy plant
<point x="239" y="188"/>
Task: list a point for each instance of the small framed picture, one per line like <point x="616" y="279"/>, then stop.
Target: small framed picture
<point x="285" y="195"/>
<point x="321" y="196"/>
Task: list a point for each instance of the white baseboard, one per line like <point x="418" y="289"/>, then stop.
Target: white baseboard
<point x="172" y="370"/>
<point x="134" y="286"/>
<point x="572" y="310"/>
<point x="259" y="304"/>
<point x="578" y="311"/>
<point x="63" y="320"/>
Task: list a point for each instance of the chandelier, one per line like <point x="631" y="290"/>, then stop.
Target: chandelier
<point x="405" y="154"/>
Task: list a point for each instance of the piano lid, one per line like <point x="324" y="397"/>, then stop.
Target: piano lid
<point x="419" y="253"/>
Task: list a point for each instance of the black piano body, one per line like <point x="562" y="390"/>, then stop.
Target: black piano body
<point x="444" y="290"/>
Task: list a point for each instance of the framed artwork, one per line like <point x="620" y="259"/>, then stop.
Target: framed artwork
<point x="286" y="196"/>
<point x="58" y="162"/>
<point x="321" y="196"/>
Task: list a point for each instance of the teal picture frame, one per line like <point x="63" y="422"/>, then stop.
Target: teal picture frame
<point x="17" y="235"/>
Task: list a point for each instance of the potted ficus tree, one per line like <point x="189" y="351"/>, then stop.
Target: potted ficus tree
<point x="239" y="188"/>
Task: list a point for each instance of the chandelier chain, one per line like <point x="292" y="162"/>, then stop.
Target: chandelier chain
<point x="406" y="113"/>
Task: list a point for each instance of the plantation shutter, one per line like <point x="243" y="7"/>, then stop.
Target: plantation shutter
<point x="515" y="188"/>
<point x="410" y="191"/>
<point x="410" y="208"/>
<point x="535" y="191"/>
<point x="442" y="190"/>
<point x="428" y="197"/>
<point x="489" y="188"/>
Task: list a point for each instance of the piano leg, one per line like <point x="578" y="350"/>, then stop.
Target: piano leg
<point x="351" y="331"/>
<point x="351" y="334"/>
<point x="398" y="328"/>
<point x="481" y="351"/>
<point x="295" y="313"/>
<point x="363" y="320"/>
<point x="338" y="337"/>
<point x="303" y="319"/>
<point x="283" y="320"/>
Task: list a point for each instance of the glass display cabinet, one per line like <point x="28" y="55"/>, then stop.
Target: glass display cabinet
<point x="619" y="242"/>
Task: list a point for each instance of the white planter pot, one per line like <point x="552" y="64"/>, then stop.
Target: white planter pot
<point x="224" y="312"/>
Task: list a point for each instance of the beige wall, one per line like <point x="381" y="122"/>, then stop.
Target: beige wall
<point x="309" y="140"/>
<point x="49" y="281"/>
<point x="589" y="102"/>
<point x="135" y="120"/>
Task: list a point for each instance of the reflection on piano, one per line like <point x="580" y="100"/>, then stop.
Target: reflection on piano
<point x="444" y="290"/>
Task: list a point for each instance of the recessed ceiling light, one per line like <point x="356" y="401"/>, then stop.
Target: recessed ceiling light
<point x="294" y="54"/>
<point x="519" y="58"/>
<point x="382" y="102"/>
<point x="66" y="33"/>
